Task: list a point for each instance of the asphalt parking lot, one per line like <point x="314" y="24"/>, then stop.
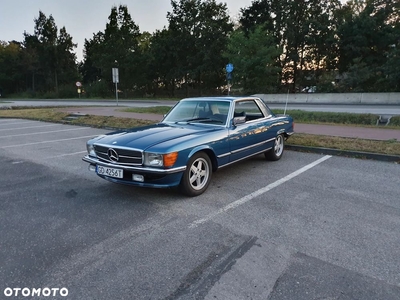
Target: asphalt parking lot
<point x="306" y="227"/>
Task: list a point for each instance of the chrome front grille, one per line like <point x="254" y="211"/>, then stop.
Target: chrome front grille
<point x="126" y="156"/>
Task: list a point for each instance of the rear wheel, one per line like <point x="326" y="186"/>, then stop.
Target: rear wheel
<point x="277" y="151"/>
<point x="197" y="176"/>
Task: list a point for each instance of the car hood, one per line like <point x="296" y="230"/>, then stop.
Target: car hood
<point x="148" y="136"/>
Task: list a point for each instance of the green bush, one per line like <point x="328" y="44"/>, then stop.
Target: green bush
<point x="48" y="95"/>
<point x="22" y="95"/>
<point x="67" y="91"/>
<point x="395" y="121"/>
<point x="99" y="89"/>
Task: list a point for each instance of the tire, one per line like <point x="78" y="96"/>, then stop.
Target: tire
<point x="197" y="176"/>
<point x="277" y="151"/>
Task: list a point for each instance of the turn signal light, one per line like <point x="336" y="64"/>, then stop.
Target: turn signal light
<point x="170" y="159"/>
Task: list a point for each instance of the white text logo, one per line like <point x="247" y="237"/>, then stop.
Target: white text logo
<point x="27" y="292"/>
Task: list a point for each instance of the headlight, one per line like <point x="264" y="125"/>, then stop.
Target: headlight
<point x="160" y="160"/>
<point x="153" y="160"/>
<point x="90" y="149"/>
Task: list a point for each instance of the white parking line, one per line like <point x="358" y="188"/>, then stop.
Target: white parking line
<point x="44" y="132"/>
<point x="30" y="127"/>
<point x="68" y="154"/>
<point x="261" y="191"/>
<point x="46" y="142"/>
<point x="8" y="122"/>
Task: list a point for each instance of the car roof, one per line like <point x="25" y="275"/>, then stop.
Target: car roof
<point x="219" y="98"/>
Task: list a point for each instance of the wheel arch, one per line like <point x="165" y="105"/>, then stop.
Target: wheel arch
<point x="211" y="154"/>
<point x="284" y="133"/>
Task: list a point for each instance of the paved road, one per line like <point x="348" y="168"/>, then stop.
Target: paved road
<point x="373" y="109"/>
<point x="305" y="227"/>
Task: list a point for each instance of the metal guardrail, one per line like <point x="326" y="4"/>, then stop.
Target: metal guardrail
<point x="334" y="98"/>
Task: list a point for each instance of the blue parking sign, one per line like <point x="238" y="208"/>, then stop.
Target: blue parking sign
<point x="229" y="68"/>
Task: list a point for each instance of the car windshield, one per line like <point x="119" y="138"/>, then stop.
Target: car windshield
<point x="201" y="111"/>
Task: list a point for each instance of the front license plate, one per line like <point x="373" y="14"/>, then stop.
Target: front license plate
<point x="116" y="173"/>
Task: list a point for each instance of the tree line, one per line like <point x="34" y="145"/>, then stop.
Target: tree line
<point x="275" y="46"/>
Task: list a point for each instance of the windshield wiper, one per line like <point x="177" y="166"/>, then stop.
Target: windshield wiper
<point x="204" y="120"/>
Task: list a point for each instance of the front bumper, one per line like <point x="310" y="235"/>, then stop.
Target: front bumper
<point x="153" y="177"/>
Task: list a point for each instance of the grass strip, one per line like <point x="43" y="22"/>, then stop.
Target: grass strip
<point x="54" y="115"/>
<point x="390" y="147"/>
<point x="158" y="110"/>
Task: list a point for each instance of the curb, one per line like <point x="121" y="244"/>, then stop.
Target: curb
<point x="354" y="154"/>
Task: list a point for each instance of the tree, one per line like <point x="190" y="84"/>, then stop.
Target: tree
<point x="368" y="35"/>
<point x="162" y="62"/>
<point x="11" y="78"/>
<point x="66" y="68"/>
<point x="303" y="29"/>
<point x="30" y="61"/>
<point x="49" y="54"/>
<point x="143" y="60"/>
<point x="214" y="37"/>
<point x="200" y="32"/>
<point x="256" y="59"/>
<point x="117" y="46"/>
<point x="91" y="67"/>
<point x="320" y="52"/>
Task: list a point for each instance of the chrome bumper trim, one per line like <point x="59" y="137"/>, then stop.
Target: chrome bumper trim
<point x="95" y="161"/>
<point x="248" y="156"/>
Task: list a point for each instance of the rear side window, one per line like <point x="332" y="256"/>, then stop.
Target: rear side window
<point x="248" y="108"/>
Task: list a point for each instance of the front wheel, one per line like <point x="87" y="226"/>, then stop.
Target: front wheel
<point x="277" y="151"/>
<point x="197" y="176"/>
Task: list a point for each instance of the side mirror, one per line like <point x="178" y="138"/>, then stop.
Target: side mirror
<point x="239" y="120"/>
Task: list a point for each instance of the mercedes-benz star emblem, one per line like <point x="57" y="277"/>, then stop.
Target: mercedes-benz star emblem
<point x="112" y="155"/>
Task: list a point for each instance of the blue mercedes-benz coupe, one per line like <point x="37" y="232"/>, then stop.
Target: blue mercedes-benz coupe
<point x="197" y="137"/>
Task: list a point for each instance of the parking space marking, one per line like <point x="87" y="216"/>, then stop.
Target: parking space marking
<point x="30" y="127"/>
<point x="68" y="154"/>
<point x="46" y="142"/>
<point x="259" y="192"/>
<point x="16" y="123"/>
<point x="44" y="132"/>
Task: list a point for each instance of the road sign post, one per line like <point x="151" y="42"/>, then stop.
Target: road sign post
<point x="115" y="76"/>
<point x="79" y="85"/>
<point x="229" y="69"/>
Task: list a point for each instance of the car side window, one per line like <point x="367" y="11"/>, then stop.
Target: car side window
<point x="269" y="112"/>
<point x="249" y="109"/>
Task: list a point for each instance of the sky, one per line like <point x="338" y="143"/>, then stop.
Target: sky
<point x="82" y="18"/>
